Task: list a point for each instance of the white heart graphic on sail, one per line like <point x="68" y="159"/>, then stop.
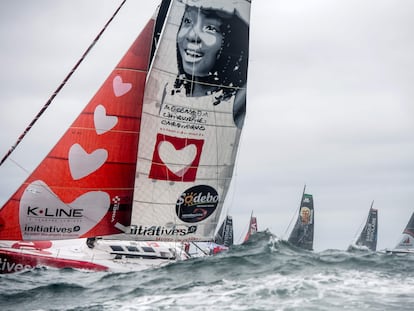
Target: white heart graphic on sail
<point x="103" y="122"/>
<point x="120" y="88"/>
<point x="177" y="161"/>
<point x="82" y="164"/>
<point x="41" y="208"/>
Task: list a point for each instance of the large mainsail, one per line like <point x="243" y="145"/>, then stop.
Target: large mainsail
<point x="368" y="236"/>
<point x="192" y="116"/>
<point x="302" y="233"/>
<point x="84" y="187"/>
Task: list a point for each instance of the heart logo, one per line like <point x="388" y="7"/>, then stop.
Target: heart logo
<point x="177" y="161"/>
<point x="103" y="122"/>
<point x="82" y="164"/>
<point x="44" y="216"/>
<point x="120" y="88"/>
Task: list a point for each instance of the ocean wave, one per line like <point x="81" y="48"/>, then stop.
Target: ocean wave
<point x="266" y="273"/>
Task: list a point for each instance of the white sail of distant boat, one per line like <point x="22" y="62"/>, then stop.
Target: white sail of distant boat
<point x="367" y="239"/>
<point x="302" y="233"/>
<point x="150" y="158"/>
<point x="406" y="243"/>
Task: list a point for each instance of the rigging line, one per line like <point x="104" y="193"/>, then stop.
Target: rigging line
<point x="362" y="226"/>
<point x="296" y="211"/>
<point x="52" y="97"/>
<point x="243" y="236"/>
<point x="20" y="166"/>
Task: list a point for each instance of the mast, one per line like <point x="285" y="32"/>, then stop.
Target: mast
<point x="294" y="216"/>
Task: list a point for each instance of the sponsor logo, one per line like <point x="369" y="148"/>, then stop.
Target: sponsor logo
<point x="197" y="203"/>
<point x="152" y="231"/>
<point x="370" y="237"/>
<point x="115" y="208"/>
<point x="29" y="229"/>
<point x="42" y="212"/>
<point x="9" y="266"/>
<point x="175" y="158"/>
<point x="54" y="212"/>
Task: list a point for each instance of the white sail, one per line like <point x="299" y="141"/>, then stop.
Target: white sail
<point x="191" y="121"/>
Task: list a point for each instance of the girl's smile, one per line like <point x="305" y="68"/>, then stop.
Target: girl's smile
<point x="199" y="40"/>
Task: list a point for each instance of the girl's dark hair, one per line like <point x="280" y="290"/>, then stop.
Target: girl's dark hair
<point x="230" y="70"/>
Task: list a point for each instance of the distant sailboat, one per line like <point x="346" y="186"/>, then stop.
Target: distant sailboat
<point x="147" y="164"/>
<point x="367" y="239"/>
<point x="252" y="228"/>
<point x="302" y="233"/>
<point x="406" y="244"/>
<point x="224" y="235"/>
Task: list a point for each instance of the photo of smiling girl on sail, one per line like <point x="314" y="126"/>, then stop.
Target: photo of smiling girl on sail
<point x="212" y="52"/>
<point x="192" y="118"/>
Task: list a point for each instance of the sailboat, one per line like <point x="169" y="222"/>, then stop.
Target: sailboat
<point x="225" y="233"/>
<point x="146" y="166"/>
<point x="406" y="244"/>
<point x="223" y="239"/>
<point x="302" y="233"/>
<point x="252" y="228"/>
<point x="367" y="239"/>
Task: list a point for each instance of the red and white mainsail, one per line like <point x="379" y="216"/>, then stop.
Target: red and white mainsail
<point x="84" y="187"/>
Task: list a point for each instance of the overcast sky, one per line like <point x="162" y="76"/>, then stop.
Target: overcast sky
<point x="330" y="104"/>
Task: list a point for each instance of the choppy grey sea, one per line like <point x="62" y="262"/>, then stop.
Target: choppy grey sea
<point x="264" y="274"/>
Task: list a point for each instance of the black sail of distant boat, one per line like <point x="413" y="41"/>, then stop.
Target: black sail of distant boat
<point x="368" y="236"/>
<point x="302" y="233"/>
<point x="224" y="235"/>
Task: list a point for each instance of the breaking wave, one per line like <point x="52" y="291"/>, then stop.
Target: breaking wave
<point x="263" y="274"/>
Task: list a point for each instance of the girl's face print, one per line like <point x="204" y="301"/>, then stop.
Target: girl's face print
<point x="199" y="40"/>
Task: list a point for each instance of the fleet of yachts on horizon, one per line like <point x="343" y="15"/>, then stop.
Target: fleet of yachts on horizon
<point x="139" y="179"/>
